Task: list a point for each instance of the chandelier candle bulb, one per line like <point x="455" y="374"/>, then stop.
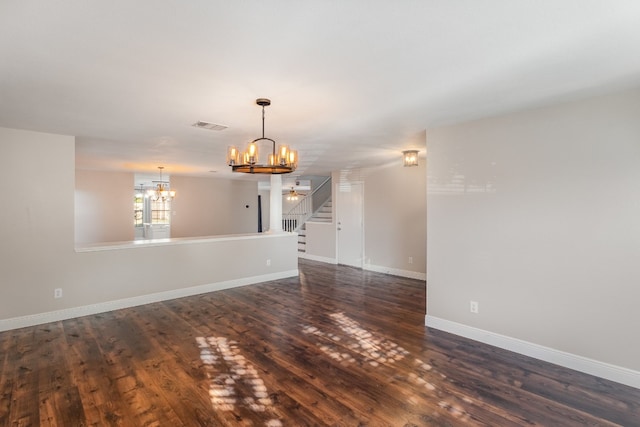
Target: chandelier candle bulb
<point x="283" y="155"/>
<point x="232" y="156"/>
<point x="293" y="158"/>
<point x="252" y="153"/>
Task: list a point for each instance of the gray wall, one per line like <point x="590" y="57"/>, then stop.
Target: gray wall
<point x="321" y="242"/>
<point x="36" y="223"/>
<point x="103" y="206"/>
<point x="202" y="207"/>
<point x="213" y="206"/>
<point x="394" y="224"/>
<point x="38" y="254"/>
<point x="536" y="215"/>
<point x="266" y="206"/>
<point x="394" y="211"/>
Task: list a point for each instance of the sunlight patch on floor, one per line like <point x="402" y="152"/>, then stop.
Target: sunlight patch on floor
<point x="227" y="369"/>
<point x="355" y="343"/>
<point x="358" y="340"/>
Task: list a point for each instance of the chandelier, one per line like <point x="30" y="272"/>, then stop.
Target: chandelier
<point x="161" y="191"/>
<point x="278" y="162"/>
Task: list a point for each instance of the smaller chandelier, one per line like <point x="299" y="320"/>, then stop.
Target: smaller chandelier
<point x="410" y="158"/>
<point x="284" y="160"/>
<point x="161" y="191"/>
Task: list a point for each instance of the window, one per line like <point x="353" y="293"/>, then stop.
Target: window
<point x="138" y="208"/>
<point x="149" y="211"/>
<point x="160" y="211"/>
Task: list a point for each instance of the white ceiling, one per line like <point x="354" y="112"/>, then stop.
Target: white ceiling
<point x="352" y="82"/>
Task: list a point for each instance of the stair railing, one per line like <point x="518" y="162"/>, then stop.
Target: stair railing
<point x="300" y="213"/>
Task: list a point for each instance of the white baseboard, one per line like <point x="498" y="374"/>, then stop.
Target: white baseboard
<point x="396" y="272"/>
<point x="370" y="267"/>
<point x="317" y="258"/>
<point x="579" y="363"/>
<point x="70" y="313"/>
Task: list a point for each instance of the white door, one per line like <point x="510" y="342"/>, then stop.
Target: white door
<point x="350" y="224"/>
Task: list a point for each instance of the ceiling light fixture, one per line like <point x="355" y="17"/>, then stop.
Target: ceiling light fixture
<point x="410" y="158"/>
<point x="161" y="191"/>
<point x="278" y="162"/>
<point x="293" y="195"/>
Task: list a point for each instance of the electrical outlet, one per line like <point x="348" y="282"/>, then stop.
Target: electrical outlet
<point x="57" y="293"/>
<point x="268" y="263"/>
<point x="474" y="307"/>
<point x="410" y="260"/>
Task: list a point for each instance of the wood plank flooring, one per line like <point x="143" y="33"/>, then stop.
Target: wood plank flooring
<point x="335" y="347"/>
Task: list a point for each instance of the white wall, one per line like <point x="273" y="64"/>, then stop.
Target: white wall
<point x="536" y="215"/>
<point x="37" y="250"/>
<point x="103" y="206"/>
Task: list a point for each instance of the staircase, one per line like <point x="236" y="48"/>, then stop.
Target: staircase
<point x="314" y="207"/>
<point x="302" y="239"/>
<point x="324" y="214"/>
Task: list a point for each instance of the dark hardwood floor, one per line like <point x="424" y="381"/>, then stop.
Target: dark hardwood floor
<point x="337" y="346"/>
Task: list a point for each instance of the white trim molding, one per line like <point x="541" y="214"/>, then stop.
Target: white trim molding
<point x="317" y="258"/>
<point x="148" y="243"/>
<point x="396" y="272"/>
<point x="579" y="363"/>
<point x="70" y="313"/>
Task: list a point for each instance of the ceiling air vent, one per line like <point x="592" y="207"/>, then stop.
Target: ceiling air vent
<point x="210" y="126"/>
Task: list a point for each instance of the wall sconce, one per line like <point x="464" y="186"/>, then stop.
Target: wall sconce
<point x="410" y="158"/>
